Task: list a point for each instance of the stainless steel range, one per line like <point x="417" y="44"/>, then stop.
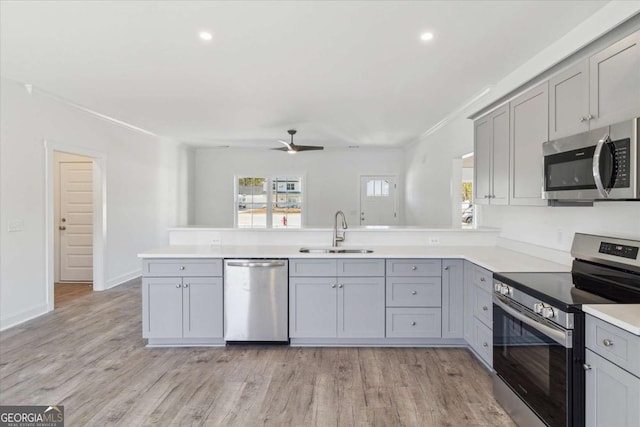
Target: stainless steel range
<point x="538" y="328"/>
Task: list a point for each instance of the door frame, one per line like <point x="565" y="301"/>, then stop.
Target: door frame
<point x="99" y="214"/>
<point x="396" y="202"/>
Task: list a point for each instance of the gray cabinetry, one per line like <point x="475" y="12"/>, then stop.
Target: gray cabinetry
<point x="569" y="101"/>
<point x="614" y="82"/>
<point x="491" y="138"/>
<point x="180" y="309"/>
<point x="478" y="312"/>
<point x="529" y="129"/>
<point x="452" y="298"/>
<point x="345" y="299"/>
<point x="612" y="377"/>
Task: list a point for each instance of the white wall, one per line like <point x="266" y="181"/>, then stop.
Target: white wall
<point x="429" y="161"/>
<point x="141" y="184"/>
<point x="332" y="179"/>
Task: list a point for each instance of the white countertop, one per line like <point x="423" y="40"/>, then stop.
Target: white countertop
<point x="625" y="316"/>
<point x="492" y="258"/>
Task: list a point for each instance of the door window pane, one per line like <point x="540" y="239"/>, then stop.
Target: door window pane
<point x="377" y="188"/>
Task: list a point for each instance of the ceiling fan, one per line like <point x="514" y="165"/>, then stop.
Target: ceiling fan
<point x="292" y="148"/>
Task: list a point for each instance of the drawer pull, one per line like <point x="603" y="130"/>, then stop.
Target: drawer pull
<point x="607" y="342"/>
<point x="586" y="367"/>
<point x="340" y="286"/>
<point x="485" y="344"/>
<point x="414" y="267"/>
<point x="414" y="292"/>
<point x="485" y="308"/>
<point x="413" y="323"/>
<point x="482" y="279"/>
<point x="334" y="285"/>
<point x="178" y="285"/>
<point x="186" y="285"/>
<point x="182" y="267"/>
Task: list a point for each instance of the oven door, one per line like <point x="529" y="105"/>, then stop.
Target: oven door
<point x="534" y="359"/>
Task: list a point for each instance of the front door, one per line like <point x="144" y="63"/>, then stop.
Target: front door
<point x="378" y="200"/>
<point x="76" y="221"/>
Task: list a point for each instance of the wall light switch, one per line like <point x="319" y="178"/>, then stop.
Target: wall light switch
<point x="434" y="240"/>
<point x="16" y="225"/>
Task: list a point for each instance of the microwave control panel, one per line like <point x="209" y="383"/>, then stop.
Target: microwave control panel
<point x="621" y="163"/>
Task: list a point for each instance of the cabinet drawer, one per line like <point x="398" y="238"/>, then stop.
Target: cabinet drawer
<point x="361" y="267"/>
<point x="483" y="305"/>
<point x="483" y="278"/>
<point x="483" y="341"/>
<point x="303" y="267"/>
<point x="414" y="322"/>
<point x="414" y="292"/>
<point x="173" y="267"/>
<point x="612" y="343"/>
<point x="414" y="267"/>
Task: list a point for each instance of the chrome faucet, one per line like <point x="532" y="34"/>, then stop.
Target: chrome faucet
<point x="336" y="237"/>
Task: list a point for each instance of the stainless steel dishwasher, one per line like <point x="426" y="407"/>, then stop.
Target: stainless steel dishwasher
<point x="256" y="300"/>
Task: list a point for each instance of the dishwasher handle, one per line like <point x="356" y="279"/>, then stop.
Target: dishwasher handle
<point x="252" y="264"/>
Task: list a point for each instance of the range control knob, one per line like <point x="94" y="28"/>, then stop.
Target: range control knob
<point x="505" y="290"/>
<point x="537" y="307"/>
<point x="497" y="286"/>
<point x="547" y="312"/>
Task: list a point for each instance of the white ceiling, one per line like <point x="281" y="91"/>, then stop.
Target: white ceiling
<point x="342" y="73"/>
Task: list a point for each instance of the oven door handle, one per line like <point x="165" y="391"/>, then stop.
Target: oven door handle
<point x="564" y="338"/>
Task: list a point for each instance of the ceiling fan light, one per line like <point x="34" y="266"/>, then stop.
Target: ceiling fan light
<point x="291" y="151"/>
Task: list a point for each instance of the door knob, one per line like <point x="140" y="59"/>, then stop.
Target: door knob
<point x="62" y="227"/>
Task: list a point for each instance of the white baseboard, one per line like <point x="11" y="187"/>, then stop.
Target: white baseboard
<point x="124" y="278"/>
<point x="11" y="321"/>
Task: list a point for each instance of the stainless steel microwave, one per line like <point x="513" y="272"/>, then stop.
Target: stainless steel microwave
<point x="601" y="164"/>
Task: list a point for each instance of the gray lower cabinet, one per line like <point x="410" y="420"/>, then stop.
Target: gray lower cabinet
<point x="176" y="307"/>
<point x="612" y="377"/>
<point x="452" y="298"/>
<point x="338" y="304"/>
<point x="182" y="301"/>
<point x="478" y="311"/>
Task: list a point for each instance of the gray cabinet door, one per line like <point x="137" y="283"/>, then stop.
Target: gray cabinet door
<point x="483" y="141"/>
<point x="614" y="82"/>
<point x="468" y="301"/>
<point x="452" y="298"/>
<point x="202" y="307"/>
<point x="569" y="101"/>
<point x="529" y="129"/>
<point x="500" y="158"/>
<point x="612" y="394"/>
<point x="312" y="307"/>
<point x="162" y="307"/>
<point x="361" y="309"/>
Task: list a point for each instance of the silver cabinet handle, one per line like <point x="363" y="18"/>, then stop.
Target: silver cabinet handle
<point x="186" y="285"/>
<point x="340" y="285"/>
<point x="446" y="268"/>
<point x="266" y="264"/>
<point x="583" y="119"/>
<point x="182" y="267"/>
<point x="590" y="117"/>
<point x="414" y="292"/>
<point x="482" y="279"/>
<point x="333" y="286"/>
<point x="485" y="344"/>
<point x="607" y="342"/>
<point x="178" y="285"/>
<point x="413" y="323"/>
<point x="413" y="267"/>
<point x="586" y="367"/>
<point x="485" y="308"/>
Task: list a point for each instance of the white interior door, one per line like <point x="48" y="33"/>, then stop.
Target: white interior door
<point x="76" y="221"/>
<point x="378" y="200"/>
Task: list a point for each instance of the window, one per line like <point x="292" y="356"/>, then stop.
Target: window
<point x="279" y="207"/>
<point x="378" y="188"/>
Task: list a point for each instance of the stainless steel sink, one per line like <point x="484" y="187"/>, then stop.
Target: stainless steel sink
<point x="335" y="251"/>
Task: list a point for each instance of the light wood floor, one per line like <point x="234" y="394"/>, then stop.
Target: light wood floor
<point x="89" y="356"/>
<point x="65" y="292"/>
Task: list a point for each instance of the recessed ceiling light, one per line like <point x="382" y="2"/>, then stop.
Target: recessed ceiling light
<point x="205" y="35"/>
<point x="425" y="37"/>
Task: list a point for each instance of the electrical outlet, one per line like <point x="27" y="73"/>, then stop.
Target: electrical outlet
<point x="16" y="225"/>
<point x="216" y="241"/>
<point x="434" y="240"/>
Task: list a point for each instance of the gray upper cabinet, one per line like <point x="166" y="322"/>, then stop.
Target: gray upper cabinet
<point x="569" y="101"/>
<point x="491" y="139"/>
<point x="529" y="129"/>
<point x="452" y="298"/>
<point x="614" y="82"/>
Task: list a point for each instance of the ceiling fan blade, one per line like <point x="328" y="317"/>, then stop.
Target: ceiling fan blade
<point x="308" y="147"/>
<point x="285" y="143"/>
<point x="281" y="149"/>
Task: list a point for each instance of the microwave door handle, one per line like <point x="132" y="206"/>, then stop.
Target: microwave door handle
<point x="597" y="154"/>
